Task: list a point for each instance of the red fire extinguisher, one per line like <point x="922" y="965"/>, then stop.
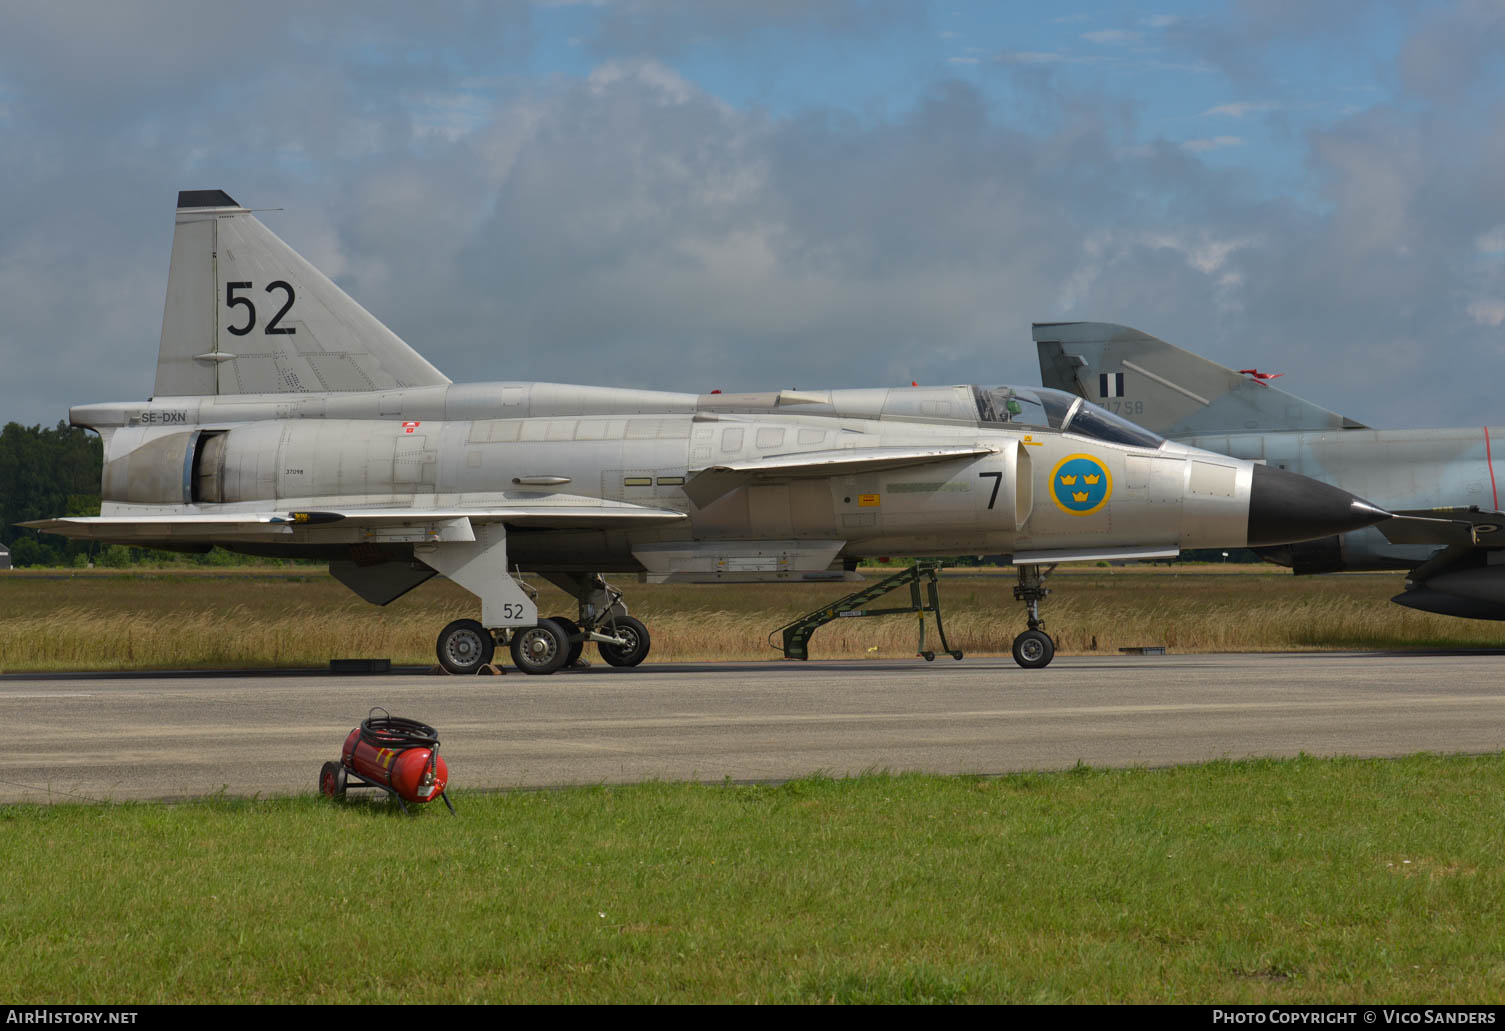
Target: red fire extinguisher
<point x="399" y="756"/>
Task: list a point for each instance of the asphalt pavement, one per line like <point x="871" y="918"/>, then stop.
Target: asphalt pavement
<point x="75" y="737"/>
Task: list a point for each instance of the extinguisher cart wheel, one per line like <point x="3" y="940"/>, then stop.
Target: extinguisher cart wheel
<point x="332" y="780"/>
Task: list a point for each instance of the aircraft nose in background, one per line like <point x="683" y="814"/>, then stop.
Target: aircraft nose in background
<point x="1285" y="507"/>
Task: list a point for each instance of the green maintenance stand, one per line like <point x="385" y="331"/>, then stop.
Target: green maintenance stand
<point x="797" y="634"/>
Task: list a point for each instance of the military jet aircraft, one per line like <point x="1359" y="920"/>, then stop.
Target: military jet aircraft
<point x="288" y="421"/>
<point x="1444" y="481"/>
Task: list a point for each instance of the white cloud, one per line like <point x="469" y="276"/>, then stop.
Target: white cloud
<point x="1487" y="311"/>
<point x="1207" y="254"/>
<point x="450" y="114"/>
<point x="1212" y="143"/>
<point x="1492" y="242"/>
<point x="1106" y="257"/>
<point x="1210" y="256"/>
<point x="1114" y="37"/>
<point x="1239" y="109"/>
<point x="1454" y="47"/>
<point x="663" y="79"/>
<point x="1136" y="63"/>
<point x="1044" y="57"/>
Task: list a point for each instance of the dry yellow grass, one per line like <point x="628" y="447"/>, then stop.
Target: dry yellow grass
<point x="175" y="620"/>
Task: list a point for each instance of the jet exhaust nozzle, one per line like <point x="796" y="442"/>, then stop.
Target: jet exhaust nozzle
<point x="1285" y="507"/>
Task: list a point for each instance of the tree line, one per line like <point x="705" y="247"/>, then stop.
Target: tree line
<point x="50" y="473"/>
<point x="44" y="474"/>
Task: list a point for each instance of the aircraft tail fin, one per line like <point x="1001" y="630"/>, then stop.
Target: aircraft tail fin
<point x="1166" y="389"/>
<point x="246" y="314"/>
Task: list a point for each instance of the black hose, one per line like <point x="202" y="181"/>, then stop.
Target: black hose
<point x="398" y="734"/>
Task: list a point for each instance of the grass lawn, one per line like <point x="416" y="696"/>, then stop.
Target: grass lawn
<point x="177" y="619"/>
<point x="1268" y="881"/>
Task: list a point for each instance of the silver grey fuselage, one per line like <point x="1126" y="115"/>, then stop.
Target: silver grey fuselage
<point x="462" y="446"/>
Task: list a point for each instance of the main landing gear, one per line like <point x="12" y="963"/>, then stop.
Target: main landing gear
<point x="465" y="645"/>
<point x="622" y="639"/>
<point x="540" y="649"/>
<point x="1033" y="649"/>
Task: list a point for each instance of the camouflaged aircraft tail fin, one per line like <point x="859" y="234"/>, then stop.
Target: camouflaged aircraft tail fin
<point x="1167" y="389"/>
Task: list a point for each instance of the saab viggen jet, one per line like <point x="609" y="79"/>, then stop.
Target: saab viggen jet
<point x="288" y="421"/>
<point x="1445" y="482"/>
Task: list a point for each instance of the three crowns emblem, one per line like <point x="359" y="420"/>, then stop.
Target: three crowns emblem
<point x="1081" y="484"/>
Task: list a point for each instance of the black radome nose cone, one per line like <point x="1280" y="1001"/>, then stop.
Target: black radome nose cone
<point x="1285" y="507"/>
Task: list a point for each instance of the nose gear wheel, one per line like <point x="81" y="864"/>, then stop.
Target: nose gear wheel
<point x="1034" y="648"/>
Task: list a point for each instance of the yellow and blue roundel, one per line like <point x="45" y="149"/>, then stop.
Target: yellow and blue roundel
<point x="1080" y="484"/>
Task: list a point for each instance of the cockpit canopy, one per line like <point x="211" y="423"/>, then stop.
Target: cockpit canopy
<point x="1058" y="410"/>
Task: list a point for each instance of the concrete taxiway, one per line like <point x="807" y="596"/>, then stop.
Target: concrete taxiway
<point x="83" y="737"/>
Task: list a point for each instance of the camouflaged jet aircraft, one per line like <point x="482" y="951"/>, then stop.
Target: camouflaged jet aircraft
<point x="1443" y="482"/>
<point x="288" y="421"/>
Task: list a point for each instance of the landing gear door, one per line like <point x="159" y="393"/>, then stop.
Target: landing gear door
<point x="1003" y="491"/>
<point x="1024" y="493"/>
<point x="480" y="566"/>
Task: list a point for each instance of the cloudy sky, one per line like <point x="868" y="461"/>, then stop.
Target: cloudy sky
<point x="691" y="194"/>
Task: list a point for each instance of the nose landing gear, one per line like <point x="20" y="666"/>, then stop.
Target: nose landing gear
<point x="1033" y="649"/>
